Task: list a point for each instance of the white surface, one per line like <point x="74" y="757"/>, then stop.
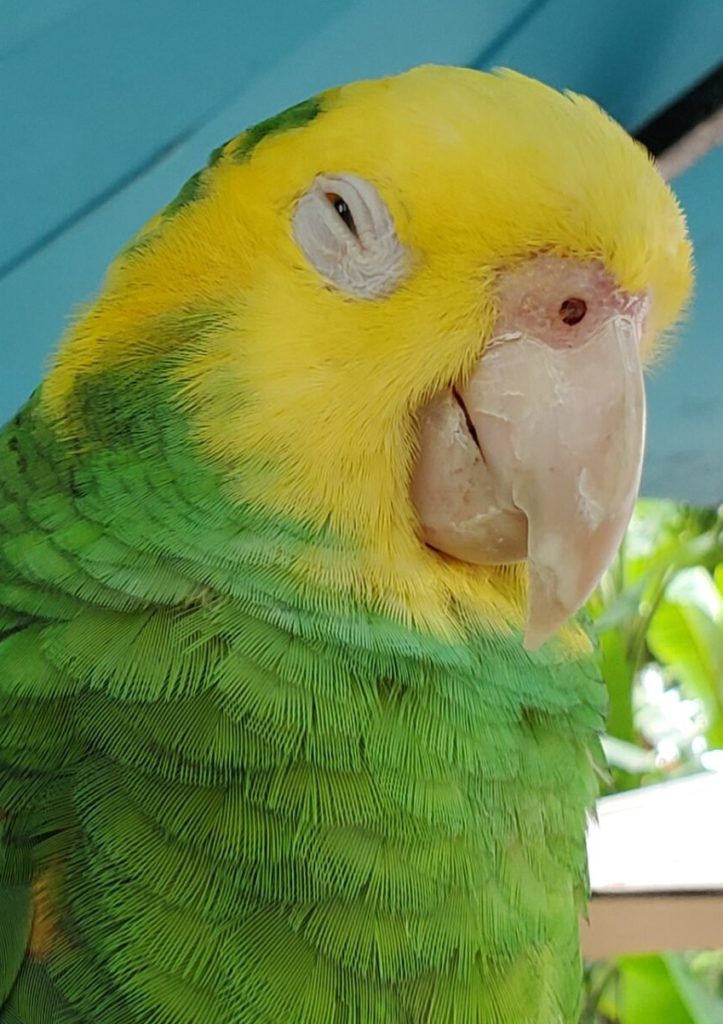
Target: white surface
<point x="665" y="838"/>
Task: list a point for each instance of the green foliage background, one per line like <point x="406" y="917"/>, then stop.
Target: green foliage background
<point x="659" y="617"/>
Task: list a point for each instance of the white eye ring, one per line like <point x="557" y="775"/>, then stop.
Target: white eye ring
<point x="354" y="245"/>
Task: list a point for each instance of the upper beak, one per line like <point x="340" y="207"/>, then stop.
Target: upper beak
<point x="538" y="456"/>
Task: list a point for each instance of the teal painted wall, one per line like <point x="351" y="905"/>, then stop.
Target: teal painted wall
<point x="107" y="107"/>
<point x="685" y="394"/>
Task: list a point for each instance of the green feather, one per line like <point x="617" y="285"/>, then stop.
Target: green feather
<point x="15" y="914"/>
<point x="259" y="802"/>
<point x="296" y="116"/>
<point x="195" y="186"/>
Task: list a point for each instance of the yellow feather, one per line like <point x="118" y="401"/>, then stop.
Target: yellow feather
<point x="479" y="171"/>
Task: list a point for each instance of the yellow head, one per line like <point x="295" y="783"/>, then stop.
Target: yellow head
<point x="477" y="173"/>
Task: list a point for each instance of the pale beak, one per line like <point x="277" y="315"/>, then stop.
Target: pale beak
<point x="537" y="457"/>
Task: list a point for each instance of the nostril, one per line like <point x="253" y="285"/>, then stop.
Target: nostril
<point x="572" y="311"/>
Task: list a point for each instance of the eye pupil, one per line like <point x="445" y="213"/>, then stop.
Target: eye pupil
<point x="572" y="311"/>
<point x="342" y="208"/>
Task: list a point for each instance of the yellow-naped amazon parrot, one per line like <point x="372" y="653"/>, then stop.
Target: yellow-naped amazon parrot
<point x="296" y="723"/>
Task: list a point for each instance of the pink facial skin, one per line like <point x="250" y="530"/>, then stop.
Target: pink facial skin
<point x="542" y="297"/>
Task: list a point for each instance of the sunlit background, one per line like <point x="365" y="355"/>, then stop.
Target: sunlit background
<point x="107" y="107"/>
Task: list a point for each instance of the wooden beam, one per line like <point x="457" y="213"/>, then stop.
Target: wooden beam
<point x="656" y="869"/>
<point x="652" y="923"/>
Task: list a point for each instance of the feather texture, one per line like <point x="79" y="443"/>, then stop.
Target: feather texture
<point x="265" y="757"/>
<point x="244" y="805"/>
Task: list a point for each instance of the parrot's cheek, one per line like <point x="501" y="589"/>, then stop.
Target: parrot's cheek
<point x="537" y="457"/>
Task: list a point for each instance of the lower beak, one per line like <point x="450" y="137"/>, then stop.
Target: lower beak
<point x="537" y="457"/>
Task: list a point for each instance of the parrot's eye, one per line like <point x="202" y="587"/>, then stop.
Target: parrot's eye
<point x="572" y="311"/>
<point x="347" y="233"/>
<point x="342" y="208"/>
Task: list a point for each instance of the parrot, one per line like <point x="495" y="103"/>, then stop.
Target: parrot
<point x="300" y="709"/>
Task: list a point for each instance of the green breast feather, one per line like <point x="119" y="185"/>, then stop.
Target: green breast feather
<point x="228" y="801"/>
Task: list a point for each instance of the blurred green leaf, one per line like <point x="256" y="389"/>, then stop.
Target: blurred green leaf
<point x="628" y="756"/>
<point x="707" y="966"/>
<point x="696" y="586"/>
<point x="653" y="527"/>
<point x="653" y="989"/>
<point x="686" y="636"/>
<point x="662" y="534"/>
<point x="621" y="610"/>
<point x="718" y="577"/>
<point x="618" y="672"/>
<point x="658" y="613"/>
<point x="704" y="1006"/>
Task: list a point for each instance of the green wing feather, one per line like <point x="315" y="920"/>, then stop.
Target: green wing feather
<point x="249" y="803"/>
